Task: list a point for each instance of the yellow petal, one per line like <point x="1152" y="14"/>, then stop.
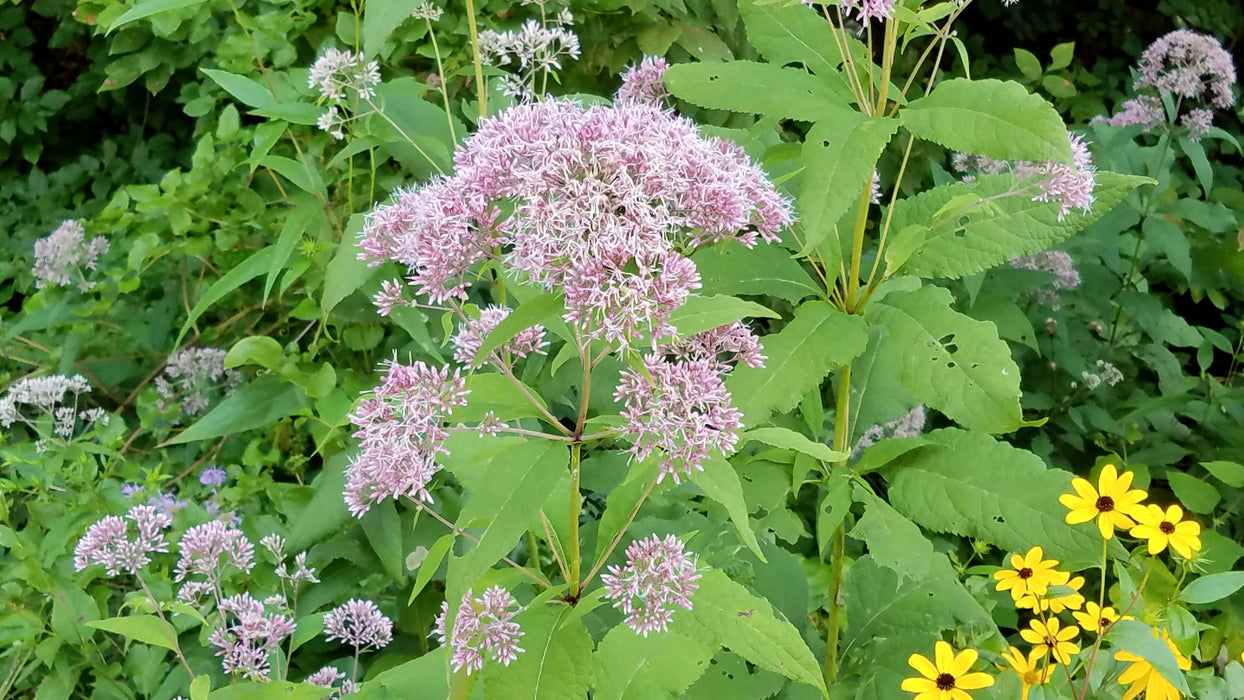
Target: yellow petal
<point x="963" y="662"/>
<point x="919" y="685"/>
<point x="923" y="666"/>
<point x="974" y="681"/>
<point x="1106" y="480"/>
<point x="1081" y="515"/>
<point x="1174" y="514"/>
<point x="944" y="657"/>
<point x="1106" y="527"/>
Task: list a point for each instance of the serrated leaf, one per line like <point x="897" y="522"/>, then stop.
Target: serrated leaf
<point x="1008" y="228"/>
<point x="380" y="19"/>
<point x="755" y="88"/>
<point x="256" y="405"/>
<point x="788" y="439"/>
<point x="243" y="89"/>
<point x="1212" y="588"/>
<point x="994" y="118"/>
<point x="839" y="156"/>
<point x="144" y="629"/>
<point x="765" y="269"/>
<point x="819" y="339"/>
<point x="951" y="362"/>
<point x="704" y="313"/>
<point x="972" y="485"/>
<point x="530" y="313"/>
<point x="789" y="32"/>
<point x="556" y="663"/>
<point x="1135" y="637"/>
<point x="720" y="482"/>
<point x="657" y="667"/>
<point x="893" y="541"/>
<point x="727" y="614"/>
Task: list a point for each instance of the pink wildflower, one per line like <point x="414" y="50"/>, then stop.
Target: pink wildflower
<point x="1190" y="65"/>
<point x="1145" y="110"/>
<point x="867" y="10"/>
<point x="107" y="542"/>
<point x="359" y="624"/>
<point x="1197" y="122"/>
<point x="723" y="346"/>
<point x="246" y="644"/>
<point x="209" y="548"/>
<point x="1070" y="185"/>
<point x="658" y="575"/>
<point x="471" y="335"/>
<point x="642" y="83"/>
<point x="482" y="625"/>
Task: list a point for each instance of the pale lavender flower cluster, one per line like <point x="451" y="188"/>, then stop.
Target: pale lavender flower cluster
<point x="659" y="574"/>
<point x="207" y="549"/>
<point x="482" y="625"/>
<point x="246" y="644"/>
<point x="867" y="10"/>
<point x="427" y="11"/>
<point x="534" y="47"/>
<point x="1071" y="186"/>
<point x="61" y="256"/>
<point x="1106" y="373"/>
<point x="1188" y="66"/>
<point x="1057" y="263"/>
<point x="401" y="432"/>
<point x="910" y="424"/>
<point x="336" y="74"/>
<point x="471" y="335"/>
<point x="192" y="375"/>
<point x="107" y="542"/>
<point x="276" y="545"/>
<point x="360" y="624"/>
<point x="47" y="395"/>
<point x="213" y="476"/>
<point x="643" y="84"/>
<point x="604" y="200"/>
<point x="328" y="676"/>
<point x="681" y="408"/>
<point x="723" y="346"/>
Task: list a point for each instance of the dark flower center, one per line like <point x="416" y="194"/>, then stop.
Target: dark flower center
<point x="1166" y="527"/>
<point x="1104" y="621"/>
<point x="945" y="681"/>
<point x="1025" y="572"/>
<point x="1105" y="504"/>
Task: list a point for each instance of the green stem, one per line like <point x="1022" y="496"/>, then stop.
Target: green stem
<point x="440" y="70"/>
<point x="172" y="636"/>
<point x="1101" y="628"/>
<point x="576" y="502"/>
<point x="480" y="88"/>
<point x="842" y="423"/>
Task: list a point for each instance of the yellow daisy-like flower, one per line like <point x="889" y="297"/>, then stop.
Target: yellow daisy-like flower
<point x="1142" y="676"/>
<point x="1111" y="502"/>
<point x="1047" y="635"/>
<point x="1163" y="528"/>
<point x="947" y="677"/>
<point x="1070" y="601"/>
<point x="1096" y="618"/>
<point x="1028" y="575"/>
<point x="1029" y="669"/>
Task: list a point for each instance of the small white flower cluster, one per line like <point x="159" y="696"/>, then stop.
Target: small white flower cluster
<point x="48" y="396"/>
<point x="336" y="74"/>
<point x="61" y="256"/>
<point x="191" y="377"/>
<point x="1106" y="373"/>
<point x="427" y="11"/>
<point x="533" y="48"/>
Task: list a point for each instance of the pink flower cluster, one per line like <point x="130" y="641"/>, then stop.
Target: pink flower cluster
<point x="107" y="542"/>
<point x="1071" y="186"/>
<point x="642" y="84"/>
<point x="207" y="549"/>
<point x="360" y="624"/>
<point x="483" y="625"/>
<point x="723" y="346"/>
<point x="246" y="644"/>
<point x="471" y="335"/>
<point x="400" y="428"/>
<point x="61" y="256"/>
<point x="604" y="203"/>
<point x="659" y="574"/>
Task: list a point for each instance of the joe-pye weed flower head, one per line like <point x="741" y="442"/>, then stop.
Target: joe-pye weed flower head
<point x="62" y="256"/>
<point x="482" y="626"/>
<point x="658" y="575"/>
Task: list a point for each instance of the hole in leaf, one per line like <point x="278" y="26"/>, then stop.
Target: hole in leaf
<point x="951" y="364"/>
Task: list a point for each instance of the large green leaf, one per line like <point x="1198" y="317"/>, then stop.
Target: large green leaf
<point x="1212" y="588"/>
<point x="345" y="272"/>
<point x="383" y="529"/>
<point x="380" y="19"/>
<point x="145" y="629"/>
<point x="420" y="121"/>
<point x="259" y="404"/>
<point x="530" y="313"/>
<point x="819" y="339"/>
<point x="1135" y="637"/>
<point x="755" y="88"/>
<point x="427" y="673"/>
<point x="1005" y="229"/>
<point x="727" y="614"/>
<point x="655" y="667"/>
<point x="326" y="513"/>
<point x="508" y="499"/>
<point x="730" y="268"/>
<point x="789" y="32"/>
<point x="703" y="313"/>
<point x="149" y="8"/>
<point x="839" y="156"/>
<point x="270" y="690"/>
<point x="994" y="118"/>
<point x="893" y="541"/>
<point x="951" y="362"/>
<point x="787" y="439"/>
<point x="720" y="482"/>
<point x="556" y="662"/>
<point x="246" y="90"/>
<point x="972" y="485"/>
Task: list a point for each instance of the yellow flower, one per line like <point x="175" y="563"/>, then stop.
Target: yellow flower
<point x="1070" y="601"/>
<point x="948" y="678"/>
<point x="1029" y="574"/>
<point x="1096" y="618"/>
<point x="1029" y="670"/>
<point x="1045" y="636"/>
<point x="1141" y="675"/>
<point x="1111" y="502"/>
<point x="1162" y="529"/>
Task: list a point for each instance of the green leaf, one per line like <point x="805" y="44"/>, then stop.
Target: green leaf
<point x="508" y="498"/>
<point x="200" y="687"/>
<point x="556" y="663"/>
<point x="295" y="225"/>
<point x="383" y="529"/>
<point x="421" y="121"/>
<point x="657" y="667"/>
<point x="496" y="394"/>
<point x="532" y="312"/>
<point x="1061" y="55"/>
<point x="1212" y="588"/>
<point x="969" y="484"/>
<point x="766" y="269"/>
<point x="893" y="541"/>
<point x="839" y="156"/>
<point x="622" y="500"/>
<point x="951" y="362"/>
<point x="259" y="404"/>
<point x="246" y="271"/>
<point x="1135" y="637"/>
<point x="1229" y="473"/>
<point x="833" y="508"/>
<point x="429" y="565"/>
<point x="270" y="690"/>
<point x="1028" y="64"/>
<point x="245" y="90"/>
<point x="1195" y="495"/>
<point x="730" y="616"/>
<point x="994" y="118"/>
<point x="1007" y="228"/>
<point x="255" y="350"/>
<point x="755" y="88"/>
<point x="326" y="513"/>
<point x="704" y="313"/>
<point x="345" y="273"/>
<point x="819" y="339"/>
<point x="720" y="482"/>
<point x="302" y="175"/>
<point x="149" y="8"/>
<point x="1170" y="242"/>
<point x="145" y="629"/>
<point x="789" y="33"/>
<point x="427" y="673"/>
<point x="788" y="439"/>
<point x="380" y="19"/>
